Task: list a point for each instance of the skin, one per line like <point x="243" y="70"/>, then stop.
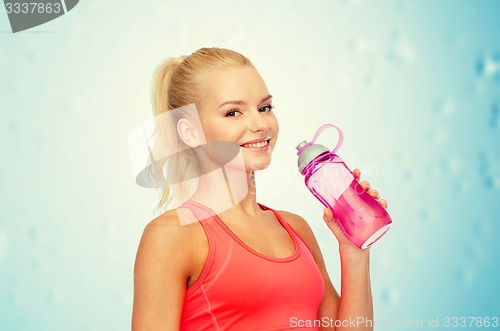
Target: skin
<point x="171" y="257"/>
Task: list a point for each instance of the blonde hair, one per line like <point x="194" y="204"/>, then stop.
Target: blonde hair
<point x="178" y="82"/>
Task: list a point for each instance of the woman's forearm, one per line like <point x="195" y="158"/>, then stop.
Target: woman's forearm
<point x="355" y="311"/>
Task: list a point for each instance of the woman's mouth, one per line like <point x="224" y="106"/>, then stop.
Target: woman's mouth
<point x="261" y="145"/>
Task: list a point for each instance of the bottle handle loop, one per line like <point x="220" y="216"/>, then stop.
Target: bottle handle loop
<point x="318" y="132"/>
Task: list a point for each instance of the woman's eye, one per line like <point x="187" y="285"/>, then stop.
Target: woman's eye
<point x="233" y="113"/>
<point x="266" y="108"/>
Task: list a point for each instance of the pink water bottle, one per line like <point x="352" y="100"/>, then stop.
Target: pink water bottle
<point x="361" y="217"/>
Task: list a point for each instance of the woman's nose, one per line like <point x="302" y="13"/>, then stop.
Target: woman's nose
<point x="258" y="122"/>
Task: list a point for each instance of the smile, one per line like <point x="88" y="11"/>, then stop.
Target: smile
<point x="257" y="144"/>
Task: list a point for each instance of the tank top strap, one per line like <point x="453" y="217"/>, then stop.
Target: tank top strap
<point x="200" y="211"/>
<point x="208" y="219"/>
<point x="283" y="222"/>
<point x="207" y="216"/>
<point x="220" y="246"/>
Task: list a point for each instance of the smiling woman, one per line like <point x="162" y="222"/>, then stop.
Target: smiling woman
<point x="244" y="266"/>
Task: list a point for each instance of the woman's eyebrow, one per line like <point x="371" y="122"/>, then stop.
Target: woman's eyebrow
<point x="266" y="98"/>
<point x="241" y="102"/>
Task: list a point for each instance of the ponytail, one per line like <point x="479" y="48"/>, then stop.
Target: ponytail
<point x="161" y="84"/>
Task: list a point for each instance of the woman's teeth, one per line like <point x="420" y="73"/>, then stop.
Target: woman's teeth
<point x="257" y="145"/>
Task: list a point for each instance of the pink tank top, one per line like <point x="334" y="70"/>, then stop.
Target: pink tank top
<point x="242" y="289"/>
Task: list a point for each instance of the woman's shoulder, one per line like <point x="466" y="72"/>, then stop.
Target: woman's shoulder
<point x="167" y="224"/>
<point x="166" y="233"/>
<point x="170" y="217"/>
<point x="170" y="249"/>
<point x="164" y="263"/>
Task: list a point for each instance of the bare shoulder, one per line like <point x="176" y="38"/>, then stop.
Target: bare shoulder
<point x="162" y="266"/>
<point x="164" y="228"/>
<point x="168" y="246"/>
<point x="169" y="218"/>
<point x="165" y="234"/>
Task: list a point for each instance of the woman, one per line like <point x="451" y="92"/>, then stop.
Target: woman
<point x="247" y="266"/>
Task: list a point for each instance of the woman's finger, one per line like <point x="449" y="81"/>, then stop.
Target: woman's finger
<point x="327" y="215"/>
<point x="365" y="185"/>
<point x="383" y="202"/>
<point x="357" y="173"/>
<point x="331" y="222"/>
<point x="374" y="193"/>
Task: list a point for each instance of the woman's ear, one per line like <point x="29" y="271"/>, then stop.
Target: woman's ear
<point x="190" y="134"/>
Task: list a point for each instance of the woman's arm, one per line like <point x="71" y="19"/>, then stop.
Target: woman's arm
<point x="356" y="306"/>
<point x="160" y="274"/>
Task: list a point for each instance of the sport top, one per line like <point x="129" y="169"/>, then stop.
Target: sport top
<point x="242" y="289"/>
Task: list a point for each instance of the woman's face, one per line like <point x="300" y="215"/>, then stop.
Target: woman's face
<point x="236" y="106"/>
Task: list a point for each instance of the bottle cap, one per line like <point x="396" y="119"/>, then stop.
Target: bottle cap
<point x="309" y="153"/>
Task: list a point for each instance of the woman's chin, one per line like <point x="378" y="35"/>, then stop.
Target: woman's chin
<point x="257" y="161"/>
<point x="256" y="165"/>
<point x="250" y="161"/>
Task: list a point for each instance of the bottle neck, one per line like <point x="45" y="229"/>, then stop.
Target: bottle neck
<point x="318" y="159"/>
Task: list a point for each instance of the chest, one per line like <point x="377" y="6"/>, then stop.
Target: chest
<point x="246" y="286"/>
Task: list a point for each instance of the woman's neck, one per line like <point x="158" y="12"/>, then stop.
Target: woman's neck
<point x="228" y="188"/>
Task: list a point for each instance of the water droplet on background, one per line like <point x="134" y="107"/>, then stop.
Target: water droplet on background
<point x="488" y="182"/>
<point x="489" y="170"/>
<point x="10" y="298"/>
<point x="12" y="127"/>
<point x="441" y="136"/>
<point x="489" y="66"/>
<point x="465" y="274"/>
<point x="424" y="215"/>
<point x="35" y="264"/>
<point x="454" y="165"/>
<point x="32" y="234"/>
<point x="407" y="175"/>
<point x="390" y="296"/>
<point x="446" y="107"/>
<point x="401" y="49"/>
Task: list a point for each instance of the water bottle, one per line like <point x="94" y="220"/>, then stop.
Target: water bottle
<point x="362" y="219"/>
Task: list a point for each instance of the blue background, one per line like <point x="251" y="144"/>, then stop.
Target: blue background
<point x="415" y="85"/>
